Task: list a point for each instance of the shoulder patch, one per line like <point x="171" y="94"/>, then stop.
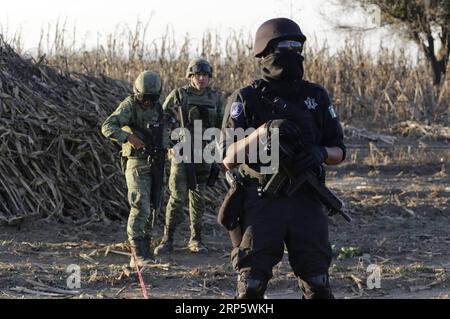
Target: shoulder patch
<point x="332" y="112"/>
<point x="236" y="109"/>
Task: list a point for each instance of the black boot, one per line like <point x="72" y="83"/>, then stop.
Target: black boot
<point x="141" y="250"/>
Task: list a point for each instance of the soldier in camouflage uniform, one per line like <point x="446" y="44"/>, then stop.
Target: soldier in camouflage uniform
<point x="198" y="102"/>
<point x="138" y="124"/>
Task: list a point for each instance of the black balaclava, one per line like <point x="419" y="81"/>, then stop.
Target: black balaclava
<point x="282" y="66"/>
<point x="284" y="72"/>
<point x="147" y="100"/>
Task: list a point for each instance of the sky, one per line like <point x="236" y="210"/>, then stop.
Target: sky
<point x="95" y="19"/>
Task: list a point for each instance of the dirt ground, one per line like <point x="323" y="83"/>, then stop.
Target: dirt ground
<point x="400" y="223"/>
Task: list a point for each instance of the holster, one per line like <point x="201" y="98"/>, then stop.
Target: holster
<point x="232" y="207"/>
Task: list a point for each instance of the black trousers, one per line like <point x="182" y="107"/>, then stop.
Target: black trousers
<point x="270" y="223"/>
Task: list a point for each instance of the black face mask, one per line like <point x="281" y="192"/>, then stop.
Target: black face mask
<point x="282" y="66"/>
<point x="148" y="99"/>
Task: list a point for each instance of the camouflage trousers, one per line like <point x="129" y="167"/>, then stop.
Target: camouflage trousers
<point x="180" y="194"/>
<point x="139" y="182"/>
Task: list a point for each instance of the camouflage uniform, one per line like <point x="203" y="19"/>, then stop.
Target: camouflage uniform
<point x="206" y="106"/>
<point x="142" y="173"/>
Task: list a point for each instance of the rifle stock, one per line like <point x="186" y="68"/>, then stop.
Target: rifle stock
<point x="213" y="175"/>
<point x="280" y="179"/>
<point x="190" y="168"/>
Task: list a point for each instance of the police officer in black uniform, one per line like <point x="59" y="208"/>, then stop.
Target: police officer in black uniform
<point x="269" y="223"/>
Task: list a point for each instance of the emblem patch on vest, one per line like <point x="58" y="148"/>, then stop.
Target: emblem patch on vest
<point x="236" y="109"/>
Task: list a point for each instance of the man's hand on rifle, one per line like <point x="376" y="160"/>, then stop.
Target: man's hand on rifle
<point x="310" y="157"/>
<point x="136" y="142"/>
<point x="288" y="131"/>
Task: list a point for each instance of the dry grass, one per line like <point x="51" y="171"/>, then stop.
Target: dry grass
<point x="371" y="91"/>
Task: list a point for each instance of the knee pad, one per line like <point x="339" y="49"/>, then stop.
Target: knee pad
<point x="317" y="287"/>
<point x="250" y="288"/>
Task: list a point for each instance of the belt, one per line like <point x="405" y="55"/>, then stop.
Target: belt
<point x="251" y="178"/>
<point x="249" y="173"/>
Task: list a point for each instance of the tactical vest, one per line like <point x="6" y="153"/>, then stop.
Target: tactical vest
<point x="199" y="107"/>
<point x="259" y="109"/>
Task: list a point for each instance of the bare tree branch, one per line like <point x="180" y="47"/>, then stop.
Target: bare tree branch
<point x="417" y="20"/>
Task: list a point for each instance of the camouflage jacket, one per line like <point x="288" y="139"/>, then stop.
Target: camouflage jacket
<point x="131" y="114"/>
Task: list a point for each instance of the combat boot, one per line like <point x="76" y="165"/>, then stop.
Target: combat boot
<point x="195" y="244"/>
<point x="166" y="245"/>
<point x="142" y="252"/>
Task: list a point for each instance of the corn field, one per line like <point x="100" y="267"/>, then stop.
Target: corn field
<point x="367" y="90"/>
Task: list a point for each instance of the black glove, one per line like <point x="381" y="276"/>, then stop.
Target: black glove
<point x="310" y="157"/>
<point x="288" y="131"/>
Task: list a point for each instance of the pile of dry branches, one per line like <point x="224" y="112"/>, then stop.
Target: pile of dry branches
<point x="53" y="159"/>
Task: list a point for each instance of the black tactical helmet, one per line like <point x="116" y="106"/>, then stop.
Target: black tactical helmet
<point x="276" y="29"/>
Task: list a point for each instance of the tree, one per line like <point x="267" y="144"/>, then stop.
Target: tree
<point x="426" y="22"/>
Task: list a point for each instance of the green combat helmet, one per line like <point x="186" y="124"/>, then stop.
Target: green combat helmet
<point x="148" y="84"/>
<point x="198" y="65"/>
